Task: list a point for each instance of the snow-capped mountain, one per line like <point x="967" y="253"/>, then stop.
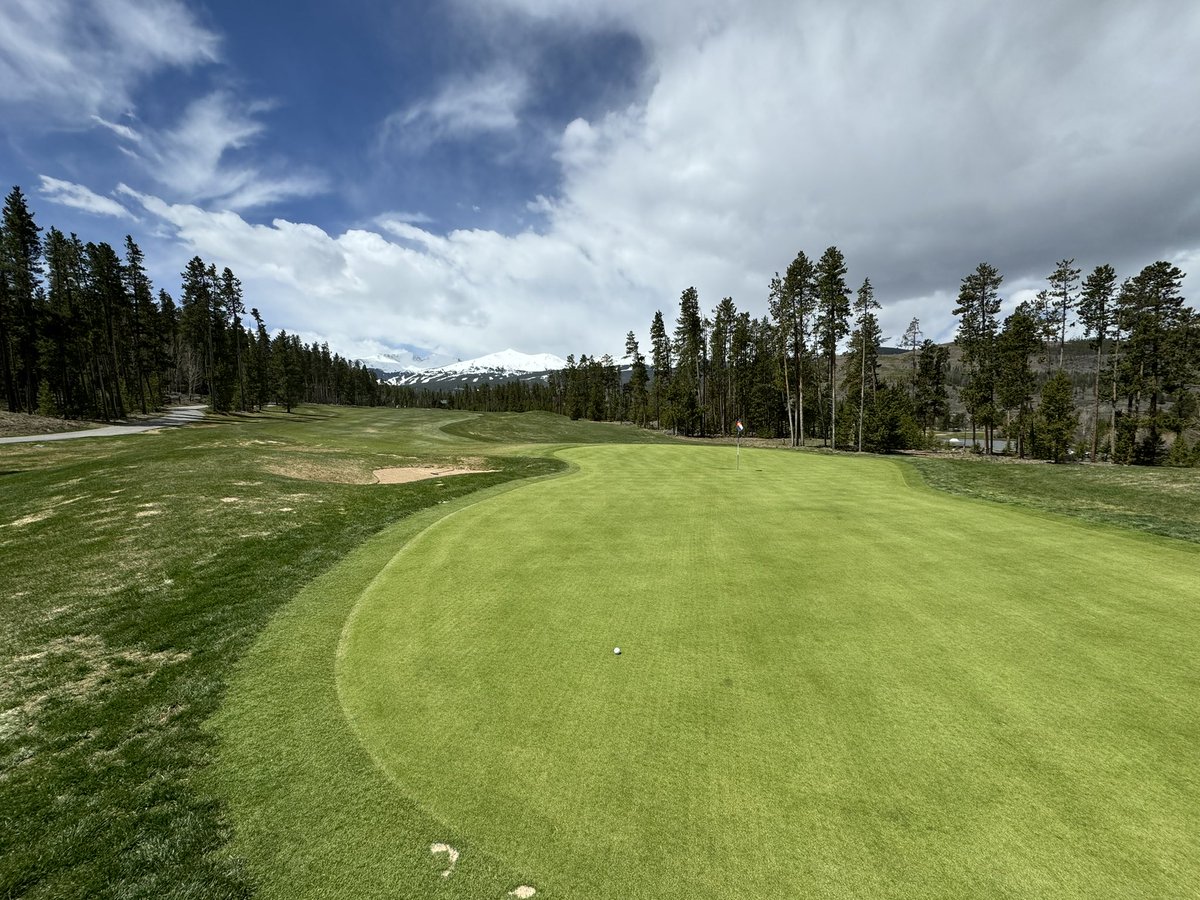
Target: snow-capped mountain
<point x="506" y="365"/>
<point x="405" y="361"/>
<point x="511" y="361"/>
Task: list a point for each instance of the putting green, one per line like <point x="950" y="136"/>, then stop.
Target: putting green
<point x="832" y="685"/>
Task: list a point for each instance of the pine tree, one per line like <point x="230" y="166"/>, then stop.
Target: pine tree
<point x="21" y="303"/>
<point x="721" y="381"/>
<point x="912" y="343"/>
<point x="932" y="400"/>
<point x="638" y="380"/>
<point x="978" y="309"/>
<point x="1058" y="416"/>
<point x="689" y="347"/>
<point x="1015" y="379"/>
<point x="108" y="305"/>
<point x="235" y="308"/>
<point x="141" y="307"/>
<point x="64" y="349"/>
<point x="866" y="340"/>
<point x="833" y="316"/>
<point x="287" y="369"/>
<point x="1096" y="315"/>
<point x="660" y="349"/>
<point x="260" y="363"/>
<point x="792" y="305"/>
<point x="1153" y="317"/>
<point x="1062" y="298"/>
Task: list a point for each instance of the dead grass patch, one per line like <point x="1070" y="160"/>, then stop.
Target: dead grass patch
<point x="98" y="667"/>
<point x="30" y="519"/>
<point x="333" y="471"/>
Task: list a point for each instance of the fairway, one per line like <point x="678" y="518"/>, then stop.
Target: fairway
<point x="832" y="684"/>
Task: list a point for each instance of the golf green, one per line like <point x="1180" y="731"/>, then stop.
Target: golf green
<point x="832" y="684"/>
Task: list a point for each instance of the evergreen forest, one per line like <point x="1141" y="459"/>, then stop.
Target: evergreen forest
<point x="84" y="335"/>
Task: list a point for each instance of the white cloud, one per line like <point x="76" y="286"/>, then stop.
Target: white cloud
<point x="121" y="131"/>
<point x="414" y="218"/>
<point x="67" y="59"/>
<point x="79" y="197"/>
<point x="919" y="137"/>
<point x="198" y="159"/>
<point x="469" y="290"/>
<point x="464" y="107"/>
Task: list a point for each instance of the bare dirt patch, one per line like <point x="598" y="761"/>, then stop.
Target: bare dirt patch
<point x="406" y="474"/>
<point x="331" y="471"/>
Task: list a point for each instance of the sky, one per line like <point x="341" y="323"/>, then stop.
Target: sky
<point x="462" y="177"/>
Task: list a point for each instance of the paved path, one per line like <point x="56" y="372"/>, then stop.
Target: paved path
<point x="176" y="415"/>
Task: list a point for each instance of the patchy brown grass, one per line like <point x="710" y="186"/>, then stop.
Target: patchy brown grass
<point x="22" y="424"/>
<point x="331" y="471"/>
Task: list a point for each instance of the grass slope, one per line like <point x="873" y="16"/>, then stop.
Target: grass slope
<point x="1161" y="501"/>
<point x="136" y="570"/>
<point x="832" y="686"/>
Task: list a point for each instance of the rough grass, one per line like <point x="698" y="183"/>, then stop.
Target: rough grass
<point x="136" y="571"/>
<point x="546" y="428"/>
<point x="1161" y="501"/>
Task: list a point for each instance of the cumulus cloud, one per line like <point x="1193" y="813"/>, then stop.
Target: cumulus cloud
<point x="921" y="138"/>
<point x="472" y="290"/>
<point x="79" y="197"/>
<point x="65" y="59"/>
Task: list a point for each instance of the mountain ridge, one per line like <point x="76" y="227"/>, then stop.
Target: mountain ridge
<point x="503" y="365"/>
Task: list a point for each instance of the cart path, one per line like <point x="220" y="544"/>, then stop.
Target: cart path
<point x="176" y="415"/>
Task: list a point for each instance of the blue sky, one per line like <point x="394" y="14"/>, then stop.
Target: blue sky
<point x="545" y="174"/>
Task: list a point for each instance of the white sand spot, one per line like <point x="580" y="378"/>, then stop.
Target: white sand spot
<point x="451" y="854"/>
<point x="522" y="892"/>
<point x="231" y="499"/>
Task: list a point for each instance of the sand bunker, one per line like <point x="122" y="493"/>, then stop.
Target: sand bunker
<point x="405" y="474"/>
<point x="450" y="852"/>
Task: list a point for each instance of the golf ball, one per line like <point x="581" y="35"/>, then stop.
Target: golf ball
<point x="617" y="651"/>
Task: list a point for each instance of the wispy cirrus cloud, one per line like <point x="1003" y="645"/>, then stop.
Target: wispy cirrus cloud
<point x="465" y="107"/>
<point x="200" y="158"/>
<point x="65" y="60"/>
<point x="121" y="131"/>
<point x="79" y="197"/>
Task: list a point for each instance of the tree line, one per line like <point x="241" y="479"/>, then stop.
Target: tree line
<point x="83" y="334"/>
<point x="809" y="371"/>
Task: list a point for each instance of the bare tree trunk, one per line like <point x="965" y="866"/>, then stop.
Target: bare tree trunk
<point x="1096" y="401"/>
<point x="862" y="386"/>
<point x="800" y="398"/>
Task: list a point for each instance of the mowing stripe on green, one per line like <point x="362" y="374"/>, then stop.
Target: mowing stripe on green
<point x="831" y="685"/>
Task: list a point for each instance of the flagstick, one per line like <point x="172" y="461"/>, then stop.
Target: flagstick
<point x="738" y="467"/>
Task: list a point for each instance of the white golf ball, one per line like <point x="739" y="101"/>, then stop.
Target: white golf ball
<point x="617" y="651"/>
